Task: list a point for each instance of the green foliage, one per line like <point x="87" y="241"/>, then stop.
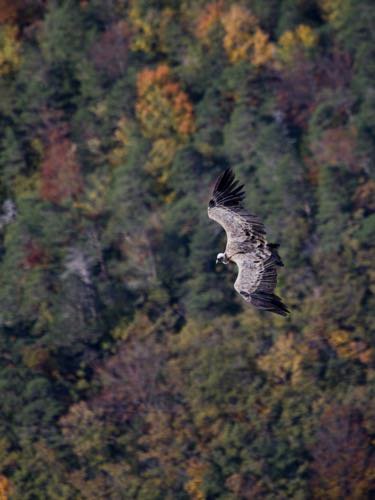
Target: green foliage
<point x="129" y="367"/>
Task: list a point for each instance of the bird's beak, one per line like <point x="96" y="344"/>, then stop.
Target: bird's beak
<point x="216" y="261"/>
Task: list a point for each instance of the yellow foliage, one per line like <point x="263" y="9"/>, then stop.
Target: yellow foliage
<point x="9" y="49"/>
<point x="302" y="38"/>
<point x="122" y="140"/>
<point x="141" y="328"/>
<point x="334" y="11"/>
<point x="143" y="30"/>
<point x="240" y="25"/>
<point x="263" y="50"/>
<point x="45" y="318"/>
<point x="37" y="146"/>
<point x="168" y="432"/>
<point x="347" y="348"/>
<point x="339" y="340"/>
<point x="93" y="202"/>
<point x="4" y="487"/>
<point x="34" y="357"/>
<point x="27" y="186"/>
<point x="82" y="428"/>
<point x="306" y="36"/>
<point x="196" y="471"/>
<point x="284" y="359"/>
<point x="244" y="39"/>
<point x="162" y="154"/>
<point x="148" y="28"/>
<point x="163" y="108"/>
<point x="287" y="41"/>
<point x="166" y="116"/>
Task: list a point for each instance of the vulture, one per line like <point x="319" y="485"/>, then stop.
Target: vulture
<point x="247" y="246"/>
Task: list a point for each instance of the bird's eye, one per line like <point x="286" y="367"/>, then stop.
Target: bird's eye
<point x="212" y="203"/>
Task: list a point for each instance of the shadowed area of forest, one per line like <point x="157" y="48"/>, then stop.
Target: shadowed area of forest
<point x="129" y="367"/>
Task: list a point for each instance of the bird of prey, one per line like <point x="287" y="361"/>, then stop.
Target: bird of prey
<point x="247" y="246"/>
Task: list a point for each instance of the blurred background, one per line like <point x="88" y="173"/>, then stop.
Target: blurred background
<point x="129" y="368"/>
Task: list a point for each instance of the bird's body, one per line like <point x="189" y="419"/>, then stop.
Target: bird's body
<point x="247" y="246"/>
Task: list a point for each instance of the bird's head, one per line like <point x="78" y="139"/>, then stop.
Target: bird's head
<point x="222" y="258"/>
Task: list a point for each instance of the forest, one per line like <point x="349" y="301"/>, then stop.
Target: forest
<point x="129" y="367"/>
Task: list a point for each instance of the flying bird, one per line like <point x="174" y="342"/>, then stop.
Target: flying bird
<point x="247" y="246"/>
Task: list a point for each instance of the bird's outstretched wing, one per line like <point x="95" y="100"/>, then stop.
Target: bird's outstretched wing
<point x="246" y="245"/>
<point x="256" y="282"/>
<point x="225" y="207"/>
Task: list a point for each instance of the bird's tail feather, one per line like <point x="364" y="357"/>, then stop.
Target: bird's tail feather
<point x="269" y="302"/>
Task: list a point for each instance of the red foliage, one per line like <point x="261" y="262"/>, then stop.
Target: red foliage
<point x="20" y="12"/>
<point x="335" y="71"/>
<point x="110" y="52"/>
<point x="296" y="92"/>
<point x="35" y="255"/>
<point x="342" y="460"/>
<point x="301" y="84"/>
<point x="130" y="381"/>
<point x="60" y="177"/>
<point x="336" y="146"/>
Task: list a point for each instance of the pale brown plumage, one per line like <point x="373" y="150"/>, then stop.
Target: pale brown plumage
<point x="247" y="246"/>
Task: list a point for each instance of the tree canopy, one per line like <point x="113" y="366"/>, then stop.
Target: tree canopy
<point x="129" y="367"/>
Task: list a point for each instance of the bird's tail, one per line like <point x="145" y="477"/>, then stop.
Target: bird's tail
<point x="269" y="302"/>
<point x="275" y="254"/>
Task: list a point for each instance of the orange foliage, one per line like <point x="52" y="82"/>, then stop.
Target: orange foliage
<point x="208" y="19"/>
<point x="196" y="471"/>
<point x="149" y="77"/>
<point x="166" y="116"/>
<point x="162" y="106"/>
<point x="4" y="488"/>
<point x="348" y="348"/>
<point x="60" y="171"/>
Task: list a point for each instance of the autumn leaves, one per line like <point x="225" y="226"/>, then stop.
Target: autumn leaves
<point x="166" y="117"/>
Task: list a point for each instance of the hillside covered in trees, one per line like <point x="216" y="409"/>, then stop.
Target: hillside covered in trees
<point x="129" y="367"/>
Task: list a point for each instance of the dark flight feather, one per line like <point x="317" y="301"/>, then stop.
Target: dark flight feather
<point x="227" y="192"/>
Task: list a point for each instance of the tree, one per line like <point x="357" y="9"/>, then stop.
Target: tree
<point x="342" y="461"/>
<point x="60" y="172"/>
<point x="9" y="49"/>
